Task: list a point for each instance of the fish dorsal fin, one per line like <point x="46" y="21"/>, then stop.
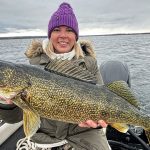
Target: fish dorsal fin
<point x="121" y="88"/>
<point x="70" y="69"/>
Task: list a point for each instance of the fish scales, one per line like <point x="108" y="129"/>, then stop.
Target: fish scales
<point x="68" y="97"/>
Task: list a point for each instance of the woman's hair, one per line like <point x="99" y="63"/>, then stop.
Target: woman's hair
<point x="78" y="50"/>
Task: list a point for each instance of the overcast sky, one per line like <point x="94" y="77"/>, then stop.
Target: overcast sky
<point x="94" y="16"/>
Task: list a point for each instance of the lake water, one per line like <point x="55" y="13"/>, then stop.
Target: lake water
<point x="133" y="49"/>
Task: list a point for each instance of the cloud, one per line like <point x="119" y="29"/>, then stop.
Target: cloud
<point x="22" y="14"/>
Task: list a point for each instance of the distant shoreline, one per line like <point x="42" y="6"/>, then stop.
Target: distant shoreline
<point x="31" y="37"/>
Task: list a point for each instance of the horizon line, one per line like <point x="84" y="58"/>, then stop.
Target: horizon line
<point x="44" y="36"/>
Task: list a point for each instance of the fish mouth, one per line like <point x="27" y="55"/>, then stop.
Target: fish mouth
<point x="8" y="94"/>
<point x="4" y="97"/>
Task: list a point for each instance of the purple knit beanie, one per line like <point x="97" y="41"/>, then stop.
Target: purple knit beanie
<point x="63" y="16"/>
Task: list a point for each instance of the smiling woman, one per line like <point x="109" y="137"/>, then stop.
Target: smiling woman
<point x="62" y="43"/>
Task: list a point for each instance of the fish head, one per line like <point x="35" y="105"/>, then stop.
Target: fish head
<point x="13" y="80"/>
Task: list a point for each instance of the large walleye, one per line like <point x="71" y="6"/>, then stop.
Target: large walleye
<point x="66" y="92"/>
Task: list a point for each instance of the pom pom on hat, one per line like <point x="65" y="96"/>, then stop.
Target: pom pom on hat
<point x="63" y="16"/>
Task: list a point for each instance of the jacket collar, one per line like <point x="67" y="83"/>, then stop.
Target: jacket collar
<point x="36" y="48"/>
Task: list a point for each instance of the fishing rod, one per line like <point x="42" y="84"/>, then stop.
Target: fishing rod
<point x="145" y="146"/>
<point x="122" y="146"/>
<point x="115" y="145"/>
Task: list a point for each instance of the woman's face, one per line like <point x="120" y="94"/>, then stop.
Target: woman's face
<point x="63" y="39"/>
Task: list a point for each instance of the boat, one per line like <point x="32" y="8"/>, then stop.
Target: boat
<point x="134" y="139"/>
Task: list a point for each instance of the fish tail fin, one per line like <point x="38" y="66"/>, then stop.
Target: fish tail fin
<point x="31" y="122"/>
<point x="147" y="132"/>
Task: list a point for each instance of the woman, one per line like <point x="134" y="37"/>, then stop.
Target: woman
<point x="62" y="43"/>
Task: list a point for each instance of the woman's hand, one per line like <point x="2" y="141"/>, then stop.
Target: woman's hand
<point x="9" y="101"/>
<point x="93" y="124"/>
<point x="6" y="101"/>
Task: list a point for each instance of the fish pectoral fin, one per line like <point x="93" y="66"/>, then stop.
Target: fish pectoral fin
<point x="31" y="122"/>
<point x="120" y="127"/>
